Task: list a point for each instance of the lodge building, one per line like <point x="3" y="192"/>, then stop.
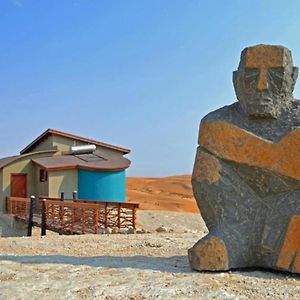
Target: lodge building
<point x="57" y="162"/>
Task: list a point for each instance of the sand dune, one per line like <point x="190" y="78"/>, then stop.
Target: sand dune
<point x="167" y="193"/>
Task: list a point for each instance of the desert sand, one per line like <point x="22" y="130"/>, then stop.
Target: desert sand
<point x="151" y="265"/>
<point x="168" y="193"/>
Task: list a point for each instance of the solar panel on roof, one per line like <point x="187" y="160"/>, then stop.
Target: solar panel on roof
<point x="89" y="157"/>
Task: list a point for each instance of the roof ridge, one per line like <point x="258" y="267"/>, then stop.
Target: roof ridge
<point x="73" y="136"/>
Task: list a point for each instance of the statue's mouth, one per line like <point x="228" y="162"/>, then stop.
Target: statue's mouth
<point x="260" y="102"/>
<point x="260" y="107"/>
<point x="263" y="99"/>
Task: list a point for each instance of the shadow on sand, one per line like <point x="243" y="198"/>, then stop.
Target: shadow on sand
<point x="173" y="264"/>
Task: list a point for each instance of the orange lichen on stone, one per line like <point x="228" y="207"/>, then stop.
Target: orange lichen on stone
<point x="289" y="258"/>
<point x="206" y="167"/>
<point x="210" y="254"/>
<point x="229" y="142"/>
<point x="262" y="58"/>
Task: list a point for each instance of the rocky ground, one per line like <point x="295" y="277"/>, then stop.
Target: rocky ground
<point x="129" y="266"/>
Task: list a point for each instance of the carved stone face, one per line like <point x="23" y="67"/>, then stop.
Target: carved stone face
<point x="264" y="81"/>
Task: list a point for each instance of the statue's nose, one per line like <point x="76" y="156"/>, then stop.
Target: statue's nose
<point x="262" y="84"/>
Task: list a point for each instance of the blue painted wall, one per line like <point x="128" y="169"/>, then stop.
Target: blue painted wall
<point x="102" y="186"/>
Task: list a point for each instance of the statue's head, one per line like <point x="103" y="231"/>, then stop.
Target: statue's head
<point x="265" y="80"/>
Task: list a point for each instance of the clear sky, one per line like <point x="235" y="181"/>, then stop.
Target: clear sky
<point x="138" y="74"/>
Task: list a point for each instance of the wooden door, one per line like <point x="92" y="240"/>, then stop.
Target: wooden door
<point x="18" y="185"/>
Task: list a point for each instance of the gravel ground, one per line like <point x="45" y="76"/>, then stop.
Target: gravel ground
<point x="129" y="266"/>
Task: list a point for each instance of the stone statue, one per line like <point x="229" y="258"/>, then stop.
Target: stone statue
<point x="246" y="176"/>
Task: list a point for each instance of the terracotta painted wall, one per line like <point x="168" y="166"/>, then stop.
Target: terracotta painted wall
<point x="62" y="181"/>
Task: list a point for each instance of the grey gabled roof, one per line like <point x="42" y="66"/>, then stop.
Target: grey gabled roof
<point x="10" y="159"/>
<point x="94" y="161"/>
<point x="7" y="160"/>
<point x="71" y="136"/>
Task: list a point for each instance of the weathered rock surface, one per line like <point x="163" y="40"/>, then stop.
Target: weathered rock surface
<point x="122" y="267"/>
<point x="246" y="176"/>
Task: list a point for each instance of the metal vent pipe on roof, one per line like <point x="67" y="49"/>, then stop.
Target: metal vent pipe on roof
<point x="83" y="149"/>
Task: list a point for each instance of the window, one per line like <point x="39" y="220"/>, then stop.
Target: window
<point x="43" y="175"/>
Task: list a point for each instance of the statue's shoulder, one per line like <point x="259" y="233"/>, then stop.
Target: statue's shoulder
<point x="292" y="117"/>
<point x="225" y="113"/>
<point x="269" y="129"/>
<point x="295" y="112"/>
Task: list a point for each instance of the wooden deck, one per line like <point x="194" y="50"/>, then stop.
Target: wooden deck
<point x="73" y="217"/>
<point x="18" y="207"/>
<point x="115" y="214"/>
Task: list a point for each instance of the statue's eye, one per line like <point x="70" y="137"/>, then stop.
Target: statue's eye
<point x="251" y="73"/>
<point x="276" y="73"/>
<point x="250" y="79"/>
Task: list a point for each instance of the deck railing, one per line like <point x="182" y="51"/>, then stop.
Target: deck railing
<point x="74" y="216"/>
<point x="18" y="207"/>
<point x="115" y="214"/>
<point x="70" y="218"/>
<point x="111" y="214"/>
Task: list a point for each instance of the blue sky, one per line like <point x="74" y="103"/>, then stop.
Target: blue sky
<point x="138" y="74"/>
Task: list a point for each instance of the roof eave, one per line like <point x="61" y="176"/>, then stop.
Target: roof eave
<point x="73" y="167"/>
<point x="68" y="135"/>
<point x="17" y="157"/>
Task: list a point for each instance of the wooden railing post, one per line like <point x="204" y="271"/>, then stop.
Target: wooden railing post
<point x="6" y="205"/>
<point x="96" y="220"/>
<point x="83" y="220"/>
<point x="133" y="216"/>
<point x="105" y="216"/>
<point x="30" y="219"/>
<point x="43" y="225"/>
<point x="73" y="219"/>
<point x="11" y="207"/>
<point x="119" y="215"/>
<point x="61" y="218"/>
